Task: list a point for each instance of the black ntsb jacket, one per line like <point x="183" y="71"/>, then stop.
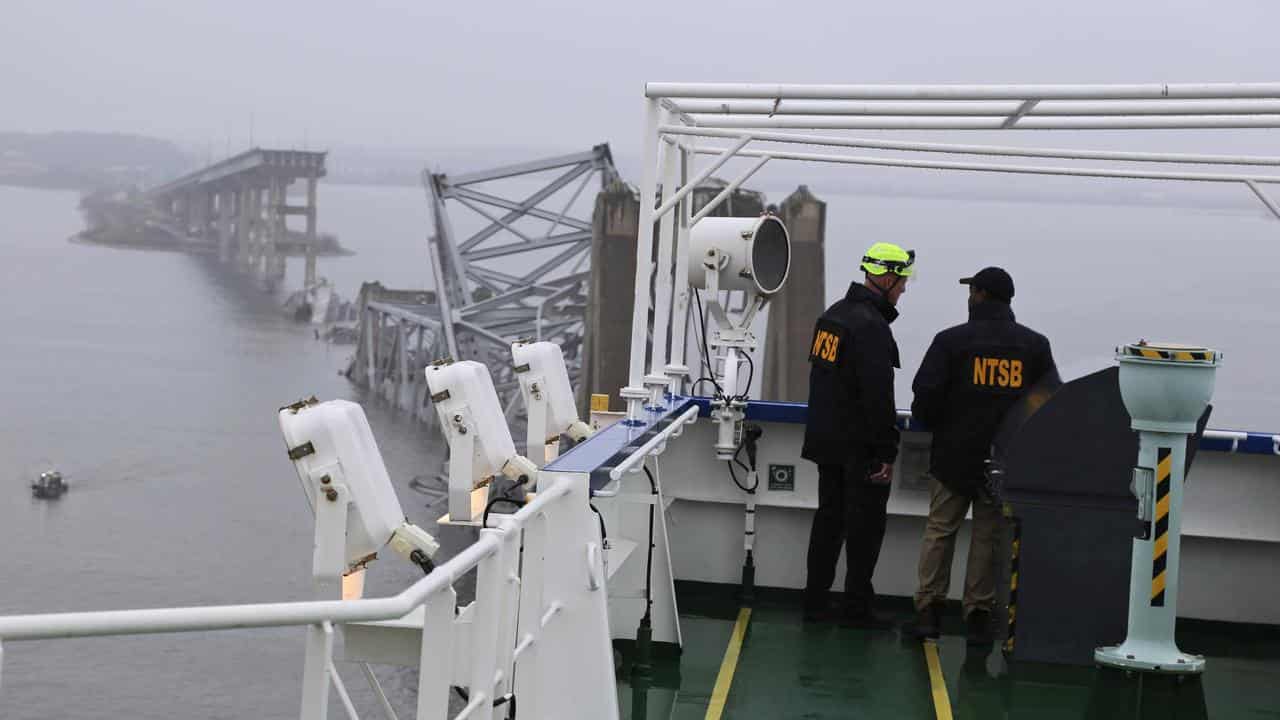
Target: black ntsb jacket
<point x="852" y="417"/>
<point x="971" y="375"/>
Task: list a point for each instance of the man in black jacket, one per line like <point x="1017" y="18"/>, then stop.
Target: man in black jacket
<point x="971" y="375"/>
<point x="852" y="433"/>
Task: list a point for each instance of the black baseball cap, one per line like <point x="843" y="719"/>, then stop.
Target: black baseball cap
<point x="994" y="281"/>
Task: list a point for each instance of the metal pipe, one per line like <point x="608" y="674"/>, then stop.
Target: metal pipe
<point x="634" y="392"/>
<point x="680" y="301"/>
<point x="231" y="617"/>
<point x="1266" y="199"/>
<point x="630" y="461"/>
<point x="978" y="108"/>
<point x="662" y="281"/>
<point x="900" y="122"/>
<point x="956" y="149"/>
<point x="343" y="695"/>
<point x="378" y="692"/>
<point x="729" y="190"/>
<point x="1234" y="436"/>
<point x="1017" y="169"/>
<point x="1143" y="91"/>
<point x="703" y="174"/>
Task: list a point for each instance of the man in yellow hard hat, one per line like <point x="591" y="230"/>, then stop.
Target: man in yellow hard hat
<point x="852" y="433"/>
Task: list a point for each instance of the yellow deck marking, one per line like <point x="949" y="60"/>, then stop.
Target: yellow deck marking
<point x="720" y="695"/>
<point x="941" y="701"/>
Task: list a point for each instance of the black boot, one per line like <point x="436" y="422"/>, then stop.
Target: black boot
<point x="817" y="608"/>
<point x="978" y="628"/>
<point x="928" y="622"/>
<point x="864" y="619"/>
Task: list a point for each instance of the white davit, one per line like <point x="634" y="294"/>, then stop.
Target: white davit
<point x="333" y="439"/>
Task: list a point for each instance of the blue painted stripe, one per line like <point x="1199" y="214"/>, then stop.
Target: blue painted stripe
<point x="798" y="413"/>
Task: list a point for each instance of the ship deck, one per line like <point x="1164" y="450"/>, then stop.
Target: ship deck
<point x="766" y="662"/>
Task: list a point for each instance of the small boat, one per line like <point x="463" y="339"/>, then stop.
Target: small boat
<point x="49" y="485"/>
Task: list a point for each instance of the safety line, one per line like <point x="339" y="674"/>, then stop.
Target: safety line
<point x="720" y="695"/>
<point x="941" y="701"/>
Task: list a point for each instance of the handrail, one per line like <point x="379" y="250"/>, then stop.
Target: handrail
<point x="230" y="617"/>
<point x="621" y="468"/>
<point x="1235" y="436"/>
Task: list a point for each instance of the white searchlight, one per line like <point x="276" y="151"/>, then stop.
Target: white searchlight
<point x="748" y="254"/>
<point x="1165" y="388"/>
<point x="751" y="254"/>
<point x="347" y="486"/>
<point x="548" y="398"/>
<point x="476" y="429"/>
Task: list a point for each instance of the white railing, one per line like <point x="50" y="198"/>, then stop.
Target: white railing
<point x="523" y="594"/>
<point x="655" y="444"/>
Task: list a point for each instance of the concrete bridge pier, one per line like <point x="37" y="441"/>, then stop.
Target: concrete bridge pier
<point x="309" y="273"/>
<point x="269" y="260"/>
<point x="248" y="200"/>
<point x="200" y="213"/>
<point x="226" y="212"/>
<point x="240" y="207"/>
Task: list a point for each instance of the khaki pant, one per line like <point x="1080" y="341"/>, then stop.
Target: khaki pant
<point x="946" y="513"/>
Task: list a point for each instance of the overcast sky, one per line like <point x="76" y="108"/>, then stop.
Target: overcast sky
<point x="553" y="73"/>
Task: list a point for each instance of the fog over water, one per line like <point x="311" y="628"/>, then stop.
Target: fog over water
<point x="152" y="379"/>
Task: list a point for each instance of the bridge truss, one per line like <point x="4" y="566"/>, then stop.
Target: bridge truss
<point x="524" y="270"/>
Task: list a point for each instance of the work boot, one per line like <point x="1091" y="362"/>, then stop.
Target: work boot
<point x="818" y="610"/>
<point x="928" y="622"/>
<point x="864" y="619"/>
<point x="978" y="628"/>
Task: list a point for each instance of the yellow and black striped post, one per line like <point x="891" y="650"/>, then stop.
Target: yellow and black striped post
<point x="1015" y="528"/>
<point x="1153" y="592"/>
<point x="1160" y="536"/>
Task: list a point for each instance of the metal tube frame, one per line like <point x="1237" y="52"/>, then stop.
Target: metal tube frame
<point x="747" y="113"/>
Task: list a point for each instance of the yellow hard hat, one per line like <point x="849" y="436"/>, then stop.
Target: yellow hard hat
<point x="884" y="257"/>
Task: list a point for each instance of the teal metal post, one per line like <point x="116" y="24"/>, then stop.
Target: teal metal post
<point x="1165" y="388"/>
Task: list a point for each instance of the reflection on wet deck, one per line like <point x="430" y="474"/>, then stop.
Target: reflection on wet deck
<point x="788" y="669"/>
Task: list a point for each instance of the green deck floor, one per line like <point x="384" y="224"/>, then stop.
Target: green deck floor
<point x="789" y="669"/>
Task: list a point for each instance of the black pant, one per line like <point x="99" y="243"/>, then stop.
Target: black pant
<point x="853" y="510"/>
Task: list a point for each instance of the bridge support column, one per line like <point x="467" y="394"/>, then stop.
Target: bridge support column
<point x="309" y="274"/>
<point x="226" y="199"/>
<point x="200" y="213"/>
<point x="272" y="268"/>
<point x="244" y="227"/>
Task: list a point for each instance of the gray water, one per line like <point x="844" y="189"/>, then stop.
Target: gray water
<point x="153" y="381"/>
